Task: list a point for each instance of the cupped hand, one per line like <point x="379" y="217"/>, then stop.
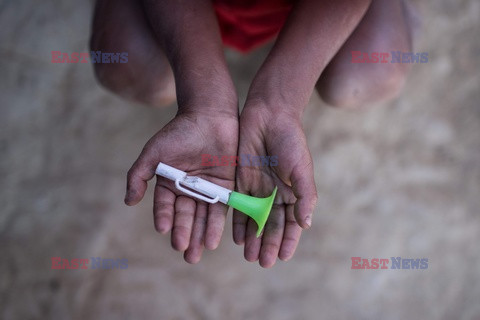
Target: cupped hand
<point x="274" y="133"/>
<point x="180" y="144"/>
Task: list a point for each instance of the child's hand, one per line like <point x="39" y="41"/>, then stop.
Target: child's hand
<point x="180" y="144"/>
<point x="187" y="34"/>
<point x="277" y="133"/>
<point x="270" y="124"/>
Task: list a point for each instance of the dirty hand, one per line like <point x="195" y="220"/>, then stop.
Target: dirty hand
<point x="180" y="144"/>
<point x="279" y="134"/>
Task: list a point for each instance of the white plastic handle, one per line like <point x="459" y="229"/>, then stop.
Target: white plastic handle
<point x="195" y="195"/>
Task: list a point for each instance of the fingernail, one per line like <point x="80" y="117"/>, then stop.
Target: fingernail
<point x="162" y="227"/>
<point x="308" y="221"/>
<point x="128" y="196"/>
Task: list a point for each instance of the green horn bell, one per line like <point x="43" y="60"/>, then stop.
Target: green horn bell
<point x="256" y="208"/>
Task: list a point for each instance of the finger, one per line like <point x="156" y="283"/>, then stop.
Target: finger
<point x="291" y="236"/>
<point x="252" y="243"/>
<point x="243" y="179"/>
<point x="141" y="171"/>
<point x="195" y="248"/>
<point x="272" y="236"/>
<point x="304" y="189"/>
<point x="163" y="208"/>
<point x="183" y="222"/>
<point x="239" y="227"/>
<point x="217" y="213"/>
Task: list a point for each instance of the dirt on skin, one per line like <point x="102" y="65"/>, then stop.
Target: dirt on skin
<point x="400" y="180"/>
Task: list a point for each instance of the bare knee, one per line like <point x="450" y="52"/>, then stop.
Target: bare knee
<point x="146" y="77"/>
<point x="121" y="80"/>
<point x="355" y="90"/>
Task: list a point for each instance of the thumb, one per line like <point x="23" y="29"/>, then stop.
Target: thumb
<point x="142" y="170"/>
<point x="304" y="189"/>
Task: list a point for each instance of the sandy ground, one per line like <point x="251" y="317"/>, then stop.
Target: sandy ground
<point x="399" y="180"/>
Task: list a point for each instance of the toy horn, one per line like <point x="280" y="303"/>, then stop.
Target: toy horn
<point x="256" y="208"/>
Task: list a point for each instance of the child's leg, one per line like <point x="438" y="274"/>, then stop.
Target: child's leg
<point x="121" y="26"/>
<point x="384" y="28"/>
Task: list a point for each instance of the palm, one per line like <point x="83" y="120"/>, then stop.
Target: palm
<point x="180" y="144"/>
<point x="182" y="148"/>
<point x="283" y="138"/>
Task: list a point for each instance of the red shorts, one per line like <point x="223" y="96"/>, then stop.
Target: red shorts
<point x="247" y="24"/>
